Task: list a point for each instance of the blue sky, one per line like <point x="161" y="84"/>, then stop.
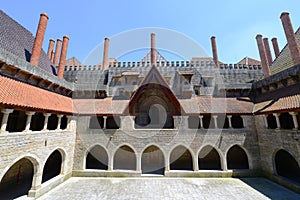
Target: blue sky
<point x="235" y="23"/>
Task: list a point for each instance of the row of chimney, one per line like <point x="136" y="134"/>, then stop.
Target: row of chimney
<point x="58" y="58"/>
<point x="264" y="48"/>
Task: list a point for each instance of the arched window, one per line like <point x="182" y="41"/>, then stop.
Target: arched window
<point x="153" y="161"/>
<point x="272" y="124"/>
<point x="53" y="166"/>
<point x="97" y="158"/>
<point x="287" y="166"/>
<point x="286" y="121"/>
<point x="237" y="158"/>
<point x="208" y="122"/>
<point x="17" y="180"/>
<point x="181" y="159"/>
<point x="125" y="159"/>
<point x="209" y="159"/>
<point x="64" y="122"/>
<point x="237" y="122"/>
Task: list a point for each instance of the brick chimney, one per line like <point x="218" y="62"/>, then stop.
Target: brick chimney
<point x="38" y="42"/>
<point x="214" y="50"/>
<point x="63" y="56"/>
<point x="105" y="64"/>
<point x="57" y="52"/>
<point x="153" y="49"/>
<point x="52" y="56"/>
<point x="50" y="48"/>
<point x="268" y="51"/>
<point x="275" y="47"/>
<point x="291" y="37"/>
<point x="263" y="56"/>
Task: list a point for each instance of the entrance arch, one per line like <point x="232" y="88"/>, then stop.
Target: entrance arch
<point x="209" y="159"/>
<point x="181" y="159"/>
<point x="237" y="158"/>
<point x="52" y="166"/>
<point x="97" y="158"/>
<point x="287" y="166"/>
<point x="124" y="158"/>
<point x="153" y="161"/>
<point x="17" y="181"/>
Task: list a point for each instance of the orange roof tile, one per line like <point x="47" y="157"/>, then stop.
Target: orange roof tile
<point x="17" y="94"/>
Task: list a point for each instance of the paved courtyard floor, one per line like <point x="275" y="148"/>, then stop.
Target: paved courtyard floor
<point x="169" y="188"/>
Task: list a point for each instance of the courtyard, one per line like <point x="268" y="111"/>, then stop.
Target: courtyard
<point x="169" y="188"/>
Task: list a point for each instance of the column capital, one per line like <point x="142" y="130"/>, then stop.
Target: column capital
<point x="29" y="113"/>
<point x="60" y="116"/>
<point x="229" y="116"/>
<point x="293" y="113"/>
<point x="7" y="111"/>
<point x="276" y="114"/>
<point x="215" y="116"/>
<point x="201" y="116"/>
<point x="47" y="114"/>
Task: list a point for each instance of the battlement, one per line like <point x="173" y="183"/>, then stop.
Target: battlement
<point x="172" y="64"/>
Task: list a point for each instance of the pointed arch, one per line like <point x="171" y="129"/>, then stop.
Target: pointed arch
<point x="153" y="160"/>
<point x="181" y="158"/>
<point x="54" y="165"/>
<point x="124" y="158"/>
<point x="209" y="159"/>
<point x="96" y="158"/>
<point x="237" y="158"/>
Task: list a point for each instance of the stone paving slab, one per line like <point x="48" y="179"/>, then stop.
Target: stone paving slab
<point x="169" y="188"/>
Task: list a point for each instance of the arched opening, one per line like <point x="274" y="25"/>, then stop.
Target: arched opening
<point x="53" y="166"/>
<point x="181" y="159"/>
<point x="287" y="166"/>
<point x="52" y="122"/>
<point x="272" y="124"/>
<point x="237" y="158"/>
<point x="18" y="180"/>
<point x="37" y="122"/>
<point x="16" y="121"/>
<point x="194" y="122"/>
<point x="154" y="115"/>
<point x="153" y="161"/>
<point x="125" y="159"/>
<point x="208" y="122"/>
<point x="286" y="121"/>
<point x="237" y="122"/>
<point x="222" y="121"/>
<point x="209" y="159"/>
<point x="64" y="122"/>
<point x="113" y="122"/>
<point x="97" y="158"/>
<point x="96" y="122"/>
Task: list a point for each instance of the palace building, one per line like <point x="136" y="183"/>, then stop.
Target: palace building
<point x="195" y="118"/>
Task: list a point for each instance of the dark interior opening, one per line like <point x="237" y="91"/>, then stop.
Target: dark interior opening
<point x="237" y="158"/>
<point x="97" y="158"/>
<point x="181" y="159"/>
<point x="53" y="166"/>
<point x="209" y="159"/>
<point x="125" y="159"/>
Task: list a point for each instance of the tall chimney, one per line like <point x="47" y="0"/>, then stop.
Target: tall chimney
<point x="38" y="42"/>
<point x="63" y="56"/>
<point x="57" y="52"/>
<point x="263" y="56"/>
<point x="275" y="47"/>
<point x="50" y="48"/>
<point x="105" y="64"/>
<point x="214" y="50"/>
<point x="268" y="51"/>
<point x="153" y="49"/>
<point x="52" y="56"/>
<point x="291" y="37"/>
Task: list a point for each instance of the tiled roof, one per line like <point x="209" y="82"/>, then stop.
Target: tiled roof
<point x="19" y="41"/>
<point x="205" y="104"/>
<point x="284" y="60"/>
<point x="249" y="61"/>
<point x="284" y="103"/>
<point x="105" y="106"/>
<point x="17" y="94"/>
<point x="73" y="62"/>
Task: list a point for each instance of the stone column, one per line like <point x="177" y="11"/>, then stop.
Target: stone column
<point x="244" y="121"/>
<point x="59" y="122"/>
<point x="294" y="115"/>
<point x="6" y="113"/>
<point x="104" y="122"/>
<point x="28" y="121"/>
<point x="224" y="163"/>
<point x="215" y="121"/>
<point x="229" y="121"/>
<point x="167" y="164"/>
<point x="277" y="120"/>
<point x="265" y="121"/>
<point x="47" y="115"/>
<point x="196" y="164"/>
<point x="110" y="164"/>
<point x="139" y="163"/>
<point x="201" y="121"/>
<point x="68" y="122"/>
